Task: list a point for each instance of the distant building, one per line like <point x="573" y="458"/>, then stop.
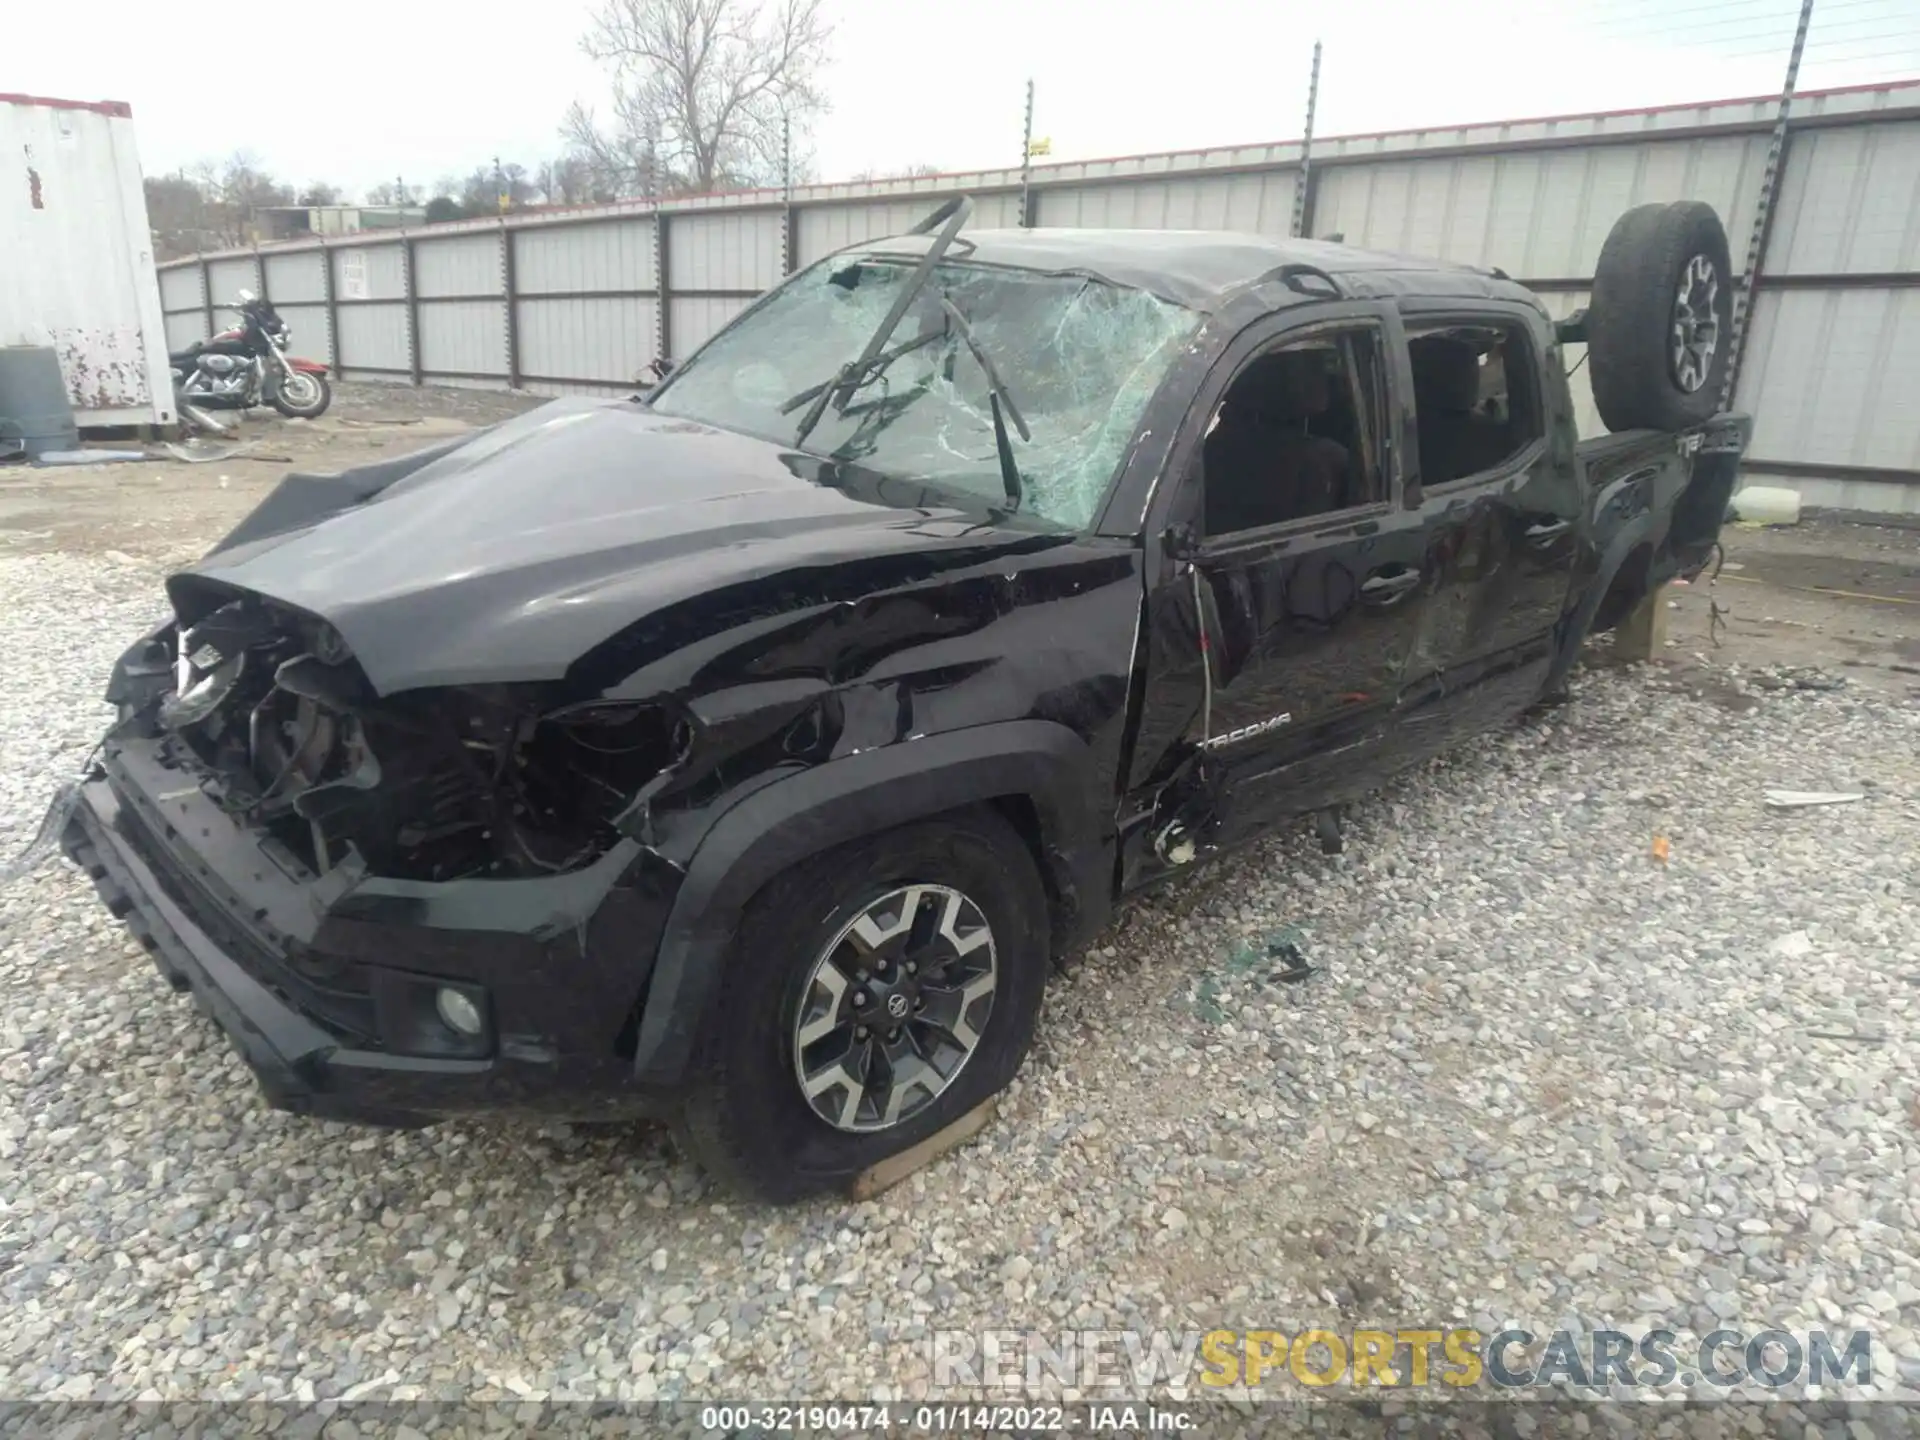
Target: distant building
<point x="289" y="222"/>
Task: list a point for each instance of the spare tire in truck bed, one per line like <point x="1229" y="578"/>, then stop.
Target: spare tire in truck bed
<point x="1660" y="326"/>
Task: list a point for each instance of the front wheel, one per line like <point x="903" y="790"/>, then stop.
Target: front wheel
<point x="302" y="395"/>
<point x="874" y="995"/>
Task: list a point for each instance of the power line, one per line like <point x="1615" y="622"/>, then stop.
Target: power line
<point x="1788" y="14"/>
<point x="1749" y="27"/>
<point x="1740" y="30"/>
<point x="1859" y="31"/>
<point x="1611" y="17"/>
<point x="1746" y="45"/>
<point x="1831" y="57"/>
<point x="1894" y="38"/>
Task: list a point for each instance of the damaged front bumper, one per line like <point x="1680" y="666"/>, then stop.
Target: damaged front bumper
<point x="330" y="988"/>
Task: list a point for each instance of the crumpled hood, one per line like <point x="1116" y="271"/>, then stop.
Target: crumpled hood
<point x="511" y="556"/>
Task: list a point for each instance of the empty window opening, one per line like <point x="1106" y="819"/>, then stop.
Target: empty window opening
<point x="1474" y="395"/>
<point x="1295" y="435"/>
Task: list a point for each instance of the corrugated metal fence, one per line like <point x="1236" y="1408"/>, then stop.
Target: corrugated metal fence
<point x="582" y="300"/>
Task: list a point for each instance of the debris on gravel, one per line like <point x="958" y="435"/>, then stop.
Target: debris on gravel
<point x="1534" y="1076"/>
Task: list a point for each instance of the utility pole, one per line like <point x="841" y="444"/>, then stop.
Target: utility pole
<point x="500" y="184"/>
<point x="787" y="246"/>
<point x="1026" y="165"/>
<point x="1743" y="295"/>
<point x="1302" y="211"/>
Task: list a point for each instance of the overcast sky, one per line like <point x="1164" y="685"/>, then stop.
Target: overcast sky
<point x="359" y="91"/>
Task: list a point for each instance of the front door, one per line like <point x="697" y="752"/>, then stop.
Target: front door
<point x="1279" y="631"/>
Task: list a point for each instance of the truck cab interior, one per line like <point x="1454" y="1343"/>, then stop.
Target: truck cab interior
<point x="1472" y="418"/>
<point x="1286" y="442"/>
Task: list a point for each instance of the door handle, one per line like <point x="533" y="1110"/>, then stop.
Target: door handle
<point x="1388" y="588"/>
<point x="1547" y="531"/>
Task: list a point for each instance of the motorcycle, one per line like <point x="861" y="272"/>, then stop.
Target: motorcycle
<point x="246" y="366"/>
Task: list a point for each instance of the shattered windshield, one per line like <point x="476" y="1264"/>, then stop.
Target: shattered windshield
<point x="1079" y="358"/>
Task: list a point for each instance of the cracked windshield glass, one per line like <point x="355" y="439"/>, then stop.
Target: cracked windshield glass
<point x="1078" y="358"/>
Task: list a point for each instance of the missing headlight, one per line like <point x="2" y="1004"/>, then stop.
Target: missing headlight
<point x="472" y="782"/>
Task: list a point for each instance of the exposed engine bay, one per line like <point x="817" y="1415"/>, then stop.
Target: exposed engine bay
<point x="269" y="711"/>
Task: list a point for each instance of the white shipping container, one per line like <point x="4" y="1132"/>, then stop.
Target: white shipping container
<point x="78" y="268"/>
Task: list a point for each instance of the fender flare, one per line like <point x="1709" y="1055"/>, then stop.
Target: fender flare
<point x="1634" y="533"/>
<point x="779" y="825"/>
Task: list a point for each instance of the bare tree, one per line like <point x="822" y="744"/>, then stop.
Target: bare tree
<point x="207" y="206"/>
<point x="482" y="191"/>
<point x="394" y="192"/>
<point x="246" y="186"/>
<point x="181" y="215"/>
<point x="703" y="91"/>
<point x="566" y="181"/>
<point x="321" y="193"/>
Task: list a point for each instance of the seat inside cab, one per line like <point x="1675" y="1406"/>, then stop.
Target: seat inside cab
<point x="1286" y="442"/>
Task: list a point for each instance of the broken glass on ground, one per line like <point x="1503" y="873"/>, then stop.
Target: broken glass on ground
<point x="1267" y="961"/>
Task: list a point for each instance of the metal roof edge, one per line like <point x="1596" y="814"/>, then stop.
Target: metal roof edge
<point x="1675" y="121"/>
<point x="119" y="109"/>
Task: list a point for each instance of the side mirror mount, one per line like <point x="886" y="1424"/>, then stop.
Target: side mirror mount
<point x="1179" y="541"/>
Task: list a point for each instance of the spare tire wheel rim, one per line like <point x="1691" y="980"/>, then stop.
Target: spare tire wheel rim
<point x="1696" y="324"/>
<point x="894" y="1007"/>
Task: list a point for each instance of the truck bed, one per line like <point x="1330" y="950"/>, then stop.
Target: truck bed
<point x="1660" y="496"/>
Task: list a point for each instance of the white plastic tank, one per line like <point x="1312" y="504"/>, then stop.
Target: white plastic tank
<point x="1767" y="505"/>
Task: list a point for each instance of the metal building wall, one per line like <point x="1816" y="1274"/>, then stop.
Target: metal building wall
<point x="1540" y="215"/>
<point x="1260" y="203"/>
<point x="716" y="263"/>
<point x="586" y="299"/>
<point x="586" y="312"/>
<point x="225" y="280"/>
<point x="183" y="305"/>
<point x="828" y="226"/>
<point x="1833" y="361"/>
<point x="297" y="287"/>
<point x="371" y="323"/>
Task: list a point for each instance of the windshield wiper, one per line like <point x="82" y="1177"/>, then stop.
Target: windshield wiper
<point x="949" y="217"/>
<point x="849" y="378"/>
<point x="999" y="401"/>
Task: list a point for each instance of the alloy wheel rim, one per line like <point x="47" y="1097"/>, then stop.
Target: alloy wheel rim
<point x="300" y="389"/>
<point x="894" y="1007"/>
<point x="1696" y="324"/>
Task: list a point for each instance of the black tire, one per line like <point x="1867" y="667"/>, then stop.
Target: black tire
<point x="311" y="410"/>
<point x="1659" y="356"/>
<point x="746" y="1119"/>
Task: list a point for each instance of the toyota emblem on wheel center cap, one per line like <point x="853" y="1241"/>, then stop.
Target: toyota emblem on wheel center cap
<point x="897" y="1006"/>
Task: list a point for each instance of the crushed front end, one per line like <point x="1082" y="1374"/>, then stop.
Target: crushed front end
<point x="399" y="908"/>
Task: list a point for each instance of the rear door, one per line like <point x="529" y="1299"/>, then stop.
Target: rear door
<point x="1298" y="587"/>
<point x="1501" y="498"/>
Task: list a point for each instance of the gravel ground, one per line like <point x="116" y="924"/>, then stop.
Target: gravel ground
<point x="1539" y="1076"/>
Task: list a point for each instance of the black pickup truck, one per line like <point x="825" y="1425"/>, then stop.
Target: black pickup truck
<point x="746" y="752"/>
